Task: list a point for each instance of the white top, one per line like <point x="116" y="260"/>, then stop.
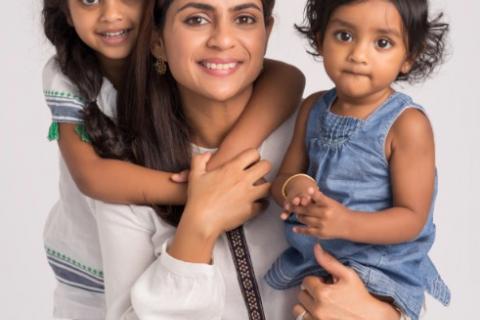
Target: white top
<point x="70" y="234"/>
<point x="143" y="282"/>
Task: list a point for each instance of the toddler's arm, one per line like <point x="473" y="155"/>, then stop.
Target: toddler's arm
<point x="276" y="95"/>
<point x="410" y="150"/>
<point x="295" y="160"/>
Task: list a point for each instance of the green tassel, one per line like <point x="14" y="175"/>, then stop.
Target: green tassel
<point x="53" y="133"/>
<point x="82" y="132"/>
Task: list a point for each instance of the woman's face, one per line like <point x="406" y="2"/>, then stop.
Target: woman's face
<point x="214" y="48"/>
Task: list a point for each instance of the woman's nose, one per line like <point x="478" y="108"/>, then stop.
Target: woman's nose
<point x="222" y="36"/>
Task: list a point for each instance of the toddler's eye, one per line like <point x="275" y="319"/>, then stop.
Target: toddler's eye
<point x="90" y="2"/>
<point x="246" y="20"/>
<point x="384" y="43"/>
<point x="344" y="36"/>
<point x="196" y="20"/>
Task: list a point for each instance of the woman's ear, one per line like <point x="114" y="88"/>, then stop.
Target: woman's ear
<point x="156" y="47"/>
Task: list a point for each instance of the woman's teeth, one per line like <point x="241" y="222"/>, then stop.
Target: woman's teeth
<point x="220" y="66"/>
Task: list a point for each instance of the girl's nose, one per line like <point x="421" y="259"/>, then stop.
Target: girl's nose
<point x="359" y="53"/>
<point x="222" y="36"/>
<point x="112" y="11"/>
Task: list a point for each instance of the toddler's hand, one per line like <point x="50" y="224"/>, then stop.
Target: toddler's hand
<point x="323" y="217"/>
<point x="297" y="194"/>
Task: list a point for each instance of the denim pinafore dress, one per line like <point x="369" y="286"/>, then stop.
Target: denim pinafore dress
<point x="347" y="159"/>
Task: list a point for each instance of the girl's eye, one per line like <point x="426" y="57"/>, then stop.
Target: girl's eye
<point x="384" y="43"/>
<point x="196" y="20"/>
<point x="90" y="2"/>
<point x="344" y="36"/>
<point x="246" y="20"/>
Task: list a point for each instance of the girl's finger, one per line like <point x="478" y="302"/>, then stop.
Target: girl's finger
<point x="320" y="199"/>
<point x="309" y="220"/>
<point x="181" y="177"/>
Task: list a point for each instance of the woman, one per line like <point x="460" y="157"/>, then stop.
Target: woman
<point x="182" y="263"/>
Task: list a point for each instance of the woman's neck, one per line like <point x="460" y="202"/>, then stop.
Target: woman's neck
<point x="209" y="120"/>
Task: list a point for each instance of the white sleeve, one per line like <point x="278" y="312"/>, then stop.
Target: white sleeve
<point x="171" y="289"/>
<point x="163" y="287"/>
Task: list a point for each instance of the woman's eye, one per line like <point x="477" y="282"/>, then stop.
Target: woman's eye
<point x="196" y="20"/>
<point x="384" y="43"/>
<point x="344" y="36"/>
<point x="90" y="2"/>
<point x="246" y="20"/>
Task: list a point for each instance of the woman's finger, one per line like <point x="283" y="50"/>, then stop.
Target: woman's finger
<point x="245" y="159"/>
<point x="259" y="170"/>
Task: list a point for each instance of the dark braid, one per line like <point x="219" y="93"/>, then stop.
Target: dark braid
<point x="80" y="64"/>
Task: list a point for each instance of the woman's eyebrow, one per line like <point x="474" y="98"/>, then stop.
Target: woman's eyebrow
<point x="197" y="5"/>
<point x="207" y="7"/>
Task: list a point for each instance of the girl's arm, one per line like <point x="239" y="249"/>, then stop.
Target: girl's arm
<point x="113" y="180"/>
<point x="410" y="150"/>
<point x="410" y="145"/>
<point x="276" y="95"/>
<point x="295" y="160"/>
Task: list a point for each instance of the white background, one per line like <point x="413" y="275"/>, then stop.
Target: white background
<point x="29" y="172"/>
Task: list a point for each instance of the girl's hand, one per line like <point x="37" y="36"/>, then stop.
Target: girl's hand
<point x="345" y="299"/>
<point x="323" y="217"/>
<point x="225" y="198"/>
<point x="297" y="194"/>
<point x="181" y="177"/>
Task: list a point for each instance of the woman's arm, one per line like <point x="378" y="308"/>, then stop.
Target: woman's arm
<point x="346" y="298"/>
<point x="276" y="95"/>
<point x="113" y="180"/>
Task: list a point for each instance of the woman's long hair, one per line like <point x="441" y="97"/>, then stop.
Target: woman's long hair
<point x="150" y="110"/>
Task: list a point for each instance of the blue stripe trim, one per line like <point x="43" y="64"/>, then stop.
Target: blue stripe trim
<point x="64" y="111"/>
<point x="75" y="279"/>
<point x="79" y="287"/>
<point x="74" y="103"/>
<point x="71" y="267"/>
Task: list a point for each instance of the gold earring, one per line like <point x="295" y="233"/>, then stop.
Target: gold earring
<point x="161" y="66"/>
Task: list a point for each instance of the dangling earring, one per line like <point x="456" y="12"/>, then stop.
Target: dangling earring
<point x="161" y="66"/>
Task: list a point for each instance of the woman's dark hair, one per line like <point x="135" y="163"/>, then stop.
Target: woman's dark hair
<point x="424" y="38"/>
<point x="80" y="64"/>
<point x="150" y="109"/>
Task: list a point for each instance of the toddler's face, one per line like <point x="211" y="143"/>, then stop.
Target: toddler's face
<point x="364" y="48"/>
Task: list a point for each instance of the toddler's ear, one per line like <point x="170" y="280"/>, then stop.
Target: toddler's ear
<point x="406" y="66"/>
<point x="318" y="42"/>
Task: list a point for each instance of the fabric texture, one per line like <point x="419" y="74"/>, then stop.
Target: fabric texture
<point x="70" y="233"/>
<point x="143" y="281"/>
<point x="347" y="159"/>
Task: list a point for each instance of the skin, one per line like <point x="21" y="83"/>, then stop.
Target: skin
<point x="122" y="182"/>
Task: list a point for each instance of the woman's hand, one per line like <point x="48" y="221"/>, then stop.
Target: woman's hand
<point x="345" y="299"/>
<point x="218" y="201"/>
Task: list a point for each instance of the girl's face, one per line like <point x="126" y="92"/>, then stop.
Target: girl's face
<point x="109" y="27"/>
<point x="364" y="48"/>
<point x="214" y="48"/>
